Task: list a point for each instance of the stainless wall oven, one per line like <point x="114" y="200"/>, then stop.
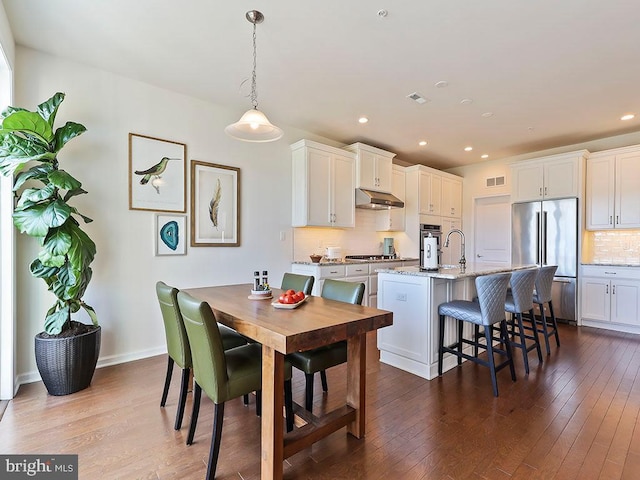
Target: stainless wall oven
<point x="436" y="232"/>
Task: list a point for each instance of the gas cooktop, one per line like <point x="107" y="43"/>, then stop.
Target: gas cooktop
<point x="369" y="258"/>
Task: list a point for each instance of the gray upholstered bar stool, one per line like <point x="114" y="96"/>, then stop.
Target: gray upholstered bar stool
<point x="520" y="300"/>
<point x="542" y="295"/>
<point x="486" y="312"/>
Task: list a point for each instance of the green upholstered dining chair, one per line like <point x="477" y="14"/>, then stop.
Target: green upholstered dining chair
<point x="178" y="344"/>
<point x="222" y="374"/>
<point x="319" y="359"/>
<point x="299" y="283"/>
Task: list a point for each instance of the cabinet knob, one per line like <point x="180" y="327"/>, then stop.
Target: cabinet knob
<point x="607" y="290"/>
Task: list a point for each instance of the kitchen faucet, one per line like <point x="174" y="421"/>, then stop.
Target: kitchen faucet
<point x="463" y="260"/>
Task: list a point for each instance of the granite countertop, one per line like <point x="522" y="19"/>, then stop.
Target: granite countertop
<point x="472" y="270"/>
<point x="604" y="264"/>
<point x="354" y="262"/>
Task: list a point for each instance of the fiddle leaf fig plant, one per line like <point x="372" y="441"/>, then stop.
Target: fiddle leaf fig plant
<point x="29" y="148"/>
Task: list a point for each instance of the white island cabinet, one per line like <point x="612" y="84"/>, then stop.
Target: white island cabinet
<point x="413" y="296"/>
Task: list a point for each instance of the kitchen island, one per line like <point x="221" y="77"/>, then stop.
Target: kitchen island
<point x="413" y="295"/>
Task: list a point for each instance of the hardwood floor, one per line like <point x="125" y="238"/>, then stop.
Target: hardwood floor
<point x="575" y="416"/>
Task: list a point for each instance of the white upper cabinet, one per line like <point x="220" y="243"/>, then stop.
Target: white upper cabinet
<point x="451" y="197"/>
<point x="613" y="189"/>
<point x="323" y="185"/>
<point x="557" y="176"/>
<point x="373" y="167"/>
<point x="393" y="220"/>
<point x="429" y="193"/>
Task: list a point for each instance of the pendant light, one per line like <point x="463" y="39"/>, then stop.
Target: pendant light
<point x="254" y="126"/>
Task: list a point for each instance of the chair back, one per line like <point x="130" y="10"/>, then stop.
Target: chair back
<point x="544" y="281"/>
<point x="299" y="283"/>
<point x="348" y="292"/>
<point x="492" y="291"/>
<point x="209" y="363"/>
<point x="522" y="283"/>
<point x="175" y="333"/>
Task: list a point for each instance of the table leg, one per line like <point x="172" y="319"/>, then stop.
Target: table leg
<point x="271" y="466"/>
<point x="356" y="382"/>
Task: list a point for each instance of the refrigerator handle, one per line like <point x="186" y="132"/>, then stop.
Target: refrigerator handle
<point x="544" y="239"/>
<point x="537" y="237"/>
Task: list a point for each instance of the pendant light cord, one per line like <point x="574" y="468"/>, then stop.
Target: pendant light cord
<point x="254" y="93"/>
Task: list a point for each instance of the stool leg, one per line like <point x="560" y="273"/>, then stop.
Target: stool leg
<point x="184" y="387"/>
<point x="323" y="380"/>
<point x="545" y="331"/>
<point x="523" y="342"/>
<point x="476" y="335"/>
<point x="555" y="323"/>
<point x="440" y="344"/>
<point x="167" y="381"/>
<point x="460" y="336"/>
<point x="308" y="394"/>
<point x="197" y="393"/>
<point x="491" y="360"/>
<point x="504" y="333"/>
<point x="536" y="337"/>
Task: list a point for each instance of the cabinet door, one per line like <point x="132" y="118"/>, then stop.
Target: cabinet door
<point x="527" y="182"/>
<point x="596" y="299"/>
<point x="367" y="170"/>
<point x="625" y="302"/>
<point x="561" y="179"/>
<point x="319" y="202"/>
<point x="451" y="254"/>
<point x="343" y="192"/>
<point x="628" y="190"/>
<point x="430" y="190"/>
<point x="599" y="193"/>
<point x="451" y="198"/>
<point x="384" y="174"/>
<point x="393" y="220"/>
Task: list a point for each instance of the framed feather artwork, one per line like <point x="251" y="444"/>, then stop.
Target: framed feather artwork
<point x="157" y="174"/>
<point x="215" y="205"/>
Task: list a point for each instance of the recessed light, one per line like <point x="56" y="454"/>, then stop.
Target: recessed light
<point x="487" y="114"/>
<point x="628" y="116"/>
<point x="466" y="101"/>
<point x="422" y="143"/>
<point x="363" y="119"/>
<point x="382" y="13"/>
<point x="468" y="149"/>
<point x="442" y="84"/>
<point x="484" y="156"/>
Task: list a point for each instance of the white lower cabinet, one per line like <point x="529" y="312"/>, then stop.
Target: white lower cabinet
<point x="611" y="297"/>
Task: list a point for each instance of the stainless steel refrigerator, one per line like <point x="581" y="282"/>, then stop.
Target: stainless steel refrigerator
<point x="546" y="233"/>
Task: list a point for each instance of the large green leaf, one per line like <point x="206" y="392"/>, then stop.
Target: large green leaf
<point x="82" y="249"/>
<point x="49" y="260"/>
<point x="16" y="151"/>
<point x="9" y="110"/>
<point x="73" y="193"/>
<point x="63" y="180"/>
<point x="54" y="322"/>
<point x="48" y="109"/>
<point x="29" y="123"/>
<point x="40" y="271"/>
<point x="58" y="241"/>
<point x="36" y="220"/>
<point x="35" y="195"/>
<point x="67" y="132"/>
<point x="37" y="172"/>
<point x="92" y="313"/>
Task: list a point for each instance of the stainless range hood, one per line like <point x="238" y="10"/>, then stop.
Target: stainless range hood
<point x="376" y="200"/>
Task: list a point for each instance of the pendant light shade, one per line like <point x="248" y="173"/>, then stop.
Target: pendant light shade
<point x="254" y="126"/>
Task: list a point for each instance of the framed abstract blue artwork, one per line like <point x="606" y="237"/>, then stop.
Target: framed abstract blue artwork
<point x="171" y="234"/>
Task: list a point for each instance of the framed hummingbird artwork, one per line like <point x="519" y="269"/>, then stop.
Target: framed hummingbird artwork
<point x="157" y="174"/>
<point x="170" y="234"/>
<point x="215" y="205"/>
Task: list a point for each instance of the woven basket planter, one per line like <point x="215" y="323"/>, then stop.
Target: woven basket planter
<point x="66" y="365"/>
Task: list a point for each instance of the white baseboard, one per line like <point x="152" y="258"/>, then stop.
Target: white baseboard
<point x="34" y="376"/>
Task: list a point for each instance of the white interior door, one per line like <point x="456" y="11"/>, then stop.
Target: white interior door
<point x="492" y="229"/>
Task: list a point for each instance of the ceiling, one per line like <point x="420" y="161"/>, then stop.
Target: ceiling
<point x="544" y="73"/>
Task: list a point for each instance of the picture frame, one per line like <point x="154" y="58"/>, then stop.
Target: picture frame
<point x="170" y="234"/>
<point x="157" y="174"/>
<point x="215" y="205"/>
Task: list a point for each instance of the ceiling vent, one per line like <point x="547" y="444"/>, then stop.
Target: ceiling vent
<point x="495" y="181"/>
<point x="416" y="97"/>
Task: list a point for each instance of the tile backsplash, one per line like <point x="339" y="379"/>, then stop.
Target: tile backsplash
<point x="613" y="246"/>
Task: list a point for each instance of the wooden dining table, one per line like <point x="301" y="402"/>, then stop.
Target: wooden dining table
<point x="315" y="323"/>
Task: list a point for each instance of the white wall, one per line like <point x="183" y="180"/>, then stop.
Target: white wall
<point x="125" y="270"/>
